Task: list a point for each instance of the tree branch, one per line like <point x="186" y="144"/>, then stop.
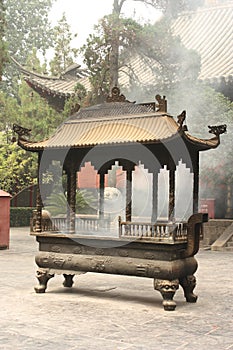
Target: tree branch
<point x="153" y="3"/>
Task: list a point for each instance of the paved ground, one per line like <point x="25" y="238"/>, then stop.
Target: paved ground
<point x="104" y="312"/>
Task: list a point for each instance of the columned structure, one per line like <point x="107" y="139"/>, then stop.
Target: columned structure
<point x="129" y="134"/>
<point x="171" y="211"/>
<point x="128" y="205"/>
<point x="39" y="203"/>
<point x="71" y="198"/>
<point x="101" y="196"/>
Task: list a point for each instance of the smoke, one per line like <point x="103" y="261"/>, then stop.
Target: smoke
<point x="204" y="106"/>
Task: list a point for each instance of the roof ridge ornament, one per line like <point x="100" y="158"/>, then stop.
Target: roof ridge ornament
<point x="21" y="131"/>
<point x="180" y="120"/>
<point x="217" y="129"/>
<point x="116" y="96"/>
<point x="162" y="103"/>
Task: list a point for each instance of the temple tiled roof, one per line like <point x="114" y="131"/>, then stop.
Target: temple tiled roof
<point x="56" y="90"/>
<point x="209" y="31"/>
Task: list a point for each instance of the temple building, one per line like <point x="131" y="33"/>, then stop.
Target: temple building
<point x="56" y="90"/>
<point x="208" y="31"/>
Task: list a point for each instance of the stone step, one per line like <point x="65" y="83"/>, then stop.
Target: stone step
<point x="230" y="244"/>
<point x="227" y="249"/>
<point x="222" y="242"/>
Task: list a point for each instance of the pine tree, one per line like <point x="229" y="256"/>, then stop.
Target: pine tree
<point x="118" y="40"/>
<point x="64" y="54"/>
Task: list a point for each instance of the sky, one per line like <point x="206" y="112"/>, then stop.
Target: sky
<point x="82" y="15"/>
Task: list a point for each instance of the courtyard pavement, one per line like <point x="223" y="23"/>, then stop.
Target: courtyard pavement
<point x="108" y="312"/>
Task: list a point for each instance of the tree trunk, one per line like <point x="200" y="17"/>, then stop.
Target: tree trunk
<point x="113" y="61"/>
<point x="114" y="53"/>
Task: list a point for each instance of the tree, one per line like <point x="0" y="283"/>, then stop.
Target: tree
<point x="170" y="7"/>
<point x="3" y="51"/>
<point x="27" y="27"/>
<point x="28" y="109"/>
<point x="116" y="43"/>
<point x="17" y="168"/>
<point x="64" y="54"/>
<point x="101" y="53"/>
<point x="64" y="57"/>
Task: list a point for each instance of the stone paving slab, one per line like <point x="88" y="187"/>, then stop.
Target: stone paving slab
<point x="109" y="312"/>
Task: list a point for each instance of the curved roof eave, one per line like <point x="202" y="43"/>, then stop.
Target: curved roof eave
<point x="199" y="144"/>
<point x="119" y="121"/>
<point x="203" y="144"/>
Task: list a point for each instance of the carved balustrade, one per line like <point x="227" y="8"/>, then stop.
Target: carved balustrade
<point x="158" y="231"/>
<point x="82" y="224"/>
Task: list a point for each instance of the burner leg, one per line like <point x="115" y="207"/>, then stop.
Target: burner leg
<point x="68" y="280"/>
<point x="188" y="283"/>
<point x="43" y="277"/>
<point x="167" y="289"/>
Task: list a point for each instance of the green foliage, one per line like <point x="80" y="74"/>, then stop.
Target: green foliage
<point x="73" y="104"/>
<point x="17" y="168"/>
<point x="96" y="57"/>
<point x="9" y="111"/>
<point x="112" y="36"/>
<point x="36" y="114"/>
<point x="3" y="49"/>
<point x="20" y="217"/>
<point x="64" y="54"/>
<point x="57" y="203"/>
<point x="28" y="109"/>
<point x="168" y="60"/>
<point x="27" y="27"/>
<point x="22" y="106"/>
<point x="204" y="106"/>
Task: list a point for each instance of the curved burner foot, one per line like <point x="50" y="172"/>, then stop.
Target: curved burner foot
<point x="68" y="283"/>
<point x="167" y="289"/>
<point x="43" y="277"/>
<point x="188" y="283"/>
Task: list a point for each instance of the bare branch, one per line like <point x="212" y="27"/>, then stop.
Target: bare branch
<point x="117" y="6"/>
<point x="153" y="3"/>
<point x="122" y="3"/>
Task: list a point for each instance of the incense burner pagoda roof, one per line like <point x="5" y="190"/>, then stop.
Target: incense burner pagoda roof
<point x="118" y="122"/>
